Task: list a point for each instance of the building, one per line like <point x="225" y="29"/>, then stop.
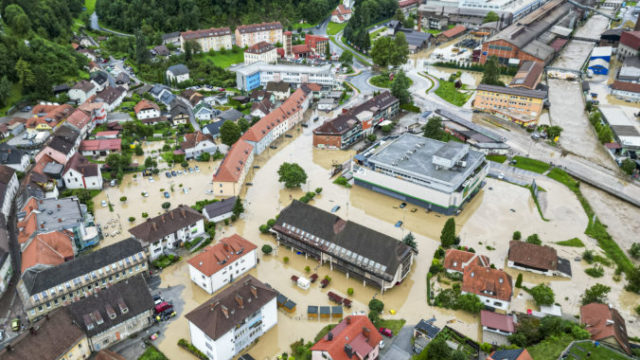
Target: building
<point x="56" y="337"/>
<point x="478" y="137"/>
<point x="205" y="112"/>
<point x="229" y="115"/>
<point x="262" y="51"/>
<point x="8" y="188"/>
<point x="262" y="108"/>
<point x="417" y="40"/>
<point x="251" y="76"/>
<point x="319" y="44"/>
<point x="219" y="210"/>
<point x="220" y="264"/>
<point x="630" y="70"/>
<point x="249" y="35"/>
<point x="606" y="325"/>
<point x="180" y="114"/>
<point x="626" y="90"/>
<point x="496" y="327"/>
<point x="528" y="76"/>
<point x="601" y="52"/>
<point x="13" y="157"/>
<point x="538" y="259"/>
<point x="425" y="172"/>
<point x="44" y="290"/>
<point x="168" y="230"/>
<point x="82" y="91"/>
<point x="522" y="106"/>
<point x="360" y="252"/>
<point x="229" y="178"/>
<point x="492" y="286"/>
<point x="213" y="129"/>
<point x="341" y="14"/>
<point x="279" y="89"/>
<point x="100" y="79"/>
<point x="354" y="337"/>
<point x="209" y="39"/>
<point x="6" y="259"/>
<point x="511" y="354"/>
<point x="611" y="37"/>
<point x="177" y="73"/>
<point x="326" y="104"/>
<point x="233" y="319"/>
<point x="456" y="260"/>
<point x="62" y="146"/>
<point x="146" y="109"/>
<point x="629" y="45"/>
<point x="520" y="40"/>
<point x="196" y="144"/>
<point x="626" y="131"/>
<point x="81" y="121"/>
<point x="47" y="250"/>
<point x="111" y="97"/>
<point x="80" y="173"/>
<point x="599" y="66"/>
<point x="100" y="147"/>
<point x="451" y="34"/>
<point x="115" y="313"/>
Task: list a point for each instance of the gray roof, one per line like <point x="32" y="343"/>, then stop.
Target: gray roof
<point x="469" y="125"/>
<point x="336" y="232"/>
<point x="537" y="94"/>
<point x="416" y="38"/>
<point x="507" y="354"/>
<point x="231" y="114"/>
<point x="157" y="89"/>
<point x="4" y="240"/>
<point x="179" y="69"/>
<point x="214" y="128"/>
<point x="219" y="207"/>
<point x="133" y="293"/>
<point x="168" y="223"/>
<point x="279" y="86"/>
<point x="58" y="214"/>
<point x="36" y="281"/>
<point x="427" y="327"/>
<point x="171" y="35"/>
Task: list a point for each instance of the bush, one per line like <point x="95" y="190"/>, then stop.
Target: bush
<point x="596" y="271"/>
<point x="145" y="215"/>
<point x="634" y="251"/>
<point x="519" y="281"/>
<point x="184" y="164"/>
<point x="587" y="256"/>
<point x="123" y="198"/>
<point x="350" y="291"/>
<point x="132" y="219"/>
<point x="542" y="294"/>
<point x="318" y="190"/>
<point x="307" y="269"/>
<point x="517" y="235"/>
<point x="376" y="305"/>
<point x="341" y="180"/>
<point x="271" y="222"/>
<point x="534" y="239"/>
<point x="267" y="249"/>
<point x="439" y="254"/>
<point x="285" y="259"/>
<point x="192" y="349"/>
<point x="264" y="229"/>
<point x="166" y="205"/>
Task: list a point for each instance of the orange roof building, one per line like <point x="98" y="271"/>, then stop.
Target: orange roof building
<point x="605" y="324"/>
<point x="492" y="286"/>
<point x="48" y="249"/>
<point x="228" y="179"/>
<point x="209" y="268"/>
<point x="355" y="335"/>
<point x="456" y="260"/>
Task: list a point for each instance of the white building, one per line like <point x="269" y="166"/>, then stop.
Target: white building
<point x="178" y="73"/>
<point x="222" y="263"/>
<point x="79" y="173"/>
<point x="198" y="143"/>
<point x="229" y="322"/>
<point x="492" y="286"/>
<point x="248" y="35"/>
<point x="13" y="157"/>
<point x="6" y="267"/>
<point x="168" y="230"/>
<point x="219" y="210"/>
<point x="146" y="109"/>
<point x="82" y="90"/>
<point x="208" y="39"/>
<point x="8" y="188"/>
<point x="262" y="51"/>
<point x="251" y="76"/>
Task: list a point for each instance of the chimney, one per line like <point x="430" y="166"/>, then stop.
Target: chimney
<point x="240" y="301"/>
<point x="348" y="350"/>
<point x="254" y="291"/>
<point x="213" y="306"/>
<point x="183" y="213"/>
<point x="366" y="332"/>
<point x="225" y="311"/>
<point x="330" y="336"/>
<point x="155" y="226"/>
<point x="348" y="320"/>
<point x="173" y="215"/>
<point x="225" y="246"/>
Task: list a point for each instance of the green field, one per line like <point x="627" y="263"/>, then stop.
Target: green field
<point x="90" y="5"/>
<point x="530" y="164"/>
<point x="14" y="96"/>
<point x="334" y="28"/>
<point x="448" y="92"/>
<point x="225" y="60"/>
<point x="382" y="81"/>
<point x="497" y="158"/>
<point x="152" y="354"/>
<point x="575" y="242"/>
<point x="548" y="350"/>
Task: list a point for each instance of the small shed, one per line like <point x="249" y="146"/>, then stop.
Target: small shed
<point x="336" y="312"/>
<point x="325" y="312"/>
<point x="280" y="300"/>
<point x="289" y="306"/>
<point x="602" y="52"/>
<point x="312" y="312"/>
<point x="303" y="283"/>
<point x="599" y="66"/>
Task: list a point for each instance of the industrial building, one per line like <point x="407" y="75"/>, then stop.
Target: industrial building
<point x="429" y="173"/>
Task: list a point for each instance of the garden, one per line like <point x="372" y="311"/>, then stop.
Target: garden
<point x="449" y="93"/>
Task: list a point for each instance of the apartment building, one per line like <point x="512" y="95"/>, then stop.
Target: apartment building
<point x="262" y="51"/>
<point x="522" y="106"/>
<point x="8" y="188"/>
<point x="208" y="39"/>
<point x="229" y="178"/>
<point x="249" y="35"/>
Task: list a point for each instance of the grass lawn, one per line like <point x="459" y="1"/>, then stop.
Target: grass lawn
<point x="497" y="158"/>
<point x="575" y="242"/>
<point x="562" y="177"/>
<point x="393" y="325"/>
<point x="303" y="26"/>
<point x="14" y="97"/>
<point x="551" y="348"/>
<point x="355" y="53"/>
<point x="90" y="5"/>
<point x="225" y="60"/>
<point x="580" y="352"/>
<point x="334" y="28"/>
<point x="375" y="34"/>
<point x="531" y="164"/>
<point x="152" y="354"/>
<point x="448" y="92"/>
<point x="324" y="332"/>
<point x="382" y="81"/>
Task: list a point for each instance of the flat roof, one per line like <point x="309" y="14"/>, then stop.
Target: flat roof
<point x="538" y="94"/>
<point x="248" y="69"/>
<point x="58" y="214"/>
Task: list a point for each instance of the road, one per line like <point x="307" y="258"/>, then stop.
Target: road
<point x="95" y="25"/>
<point x="192" y="118"/>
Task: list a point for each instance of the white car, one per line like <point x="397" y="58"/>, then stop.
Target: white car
<point x="151" y="179"/>
<point x="501" y="176"/>
<point x="381" y="344"/>
<point x="145" y="194"/>
<point x="103" y="203"/>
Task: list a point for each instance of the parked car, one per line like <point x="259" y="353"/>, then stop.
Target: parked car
<point x="197" y="169"/>
<point x="386" y="332"/>
<point x="103" y="203"/>
<point x="15" y="324"/>
<point x="399" y="223"/>
<point x="166" y="195"/>
<point x="174" y="173"/>
<point x="113" y="182"/>
<point x="381" y="344"/>
<point x="145" y="194"/>
<point x="168" y="174"/>
<point x="335" y="208"/>
<point x="162" y="307"/>
<point x="403" y="205"/>
<point x="157" y="299"/>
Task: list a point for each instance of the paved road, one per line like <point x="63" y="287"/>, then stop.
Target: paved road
<point x="400" y="347"/>
<point x="192" y="118"/>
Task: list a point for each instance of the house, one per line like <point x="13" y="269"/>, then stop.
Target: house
<point x="606" y="325"/>
<point x="111" y="97"/>
<point x="611" y="37"/>
<point x="213" y="129"/>
<point x="13" y="157"/>
<point x="279" y="89"/>
<point x="497" y="100"/>
<point x="219" y="210"/>
<point x="229" y="178"/>
<point x="100" y="79"/>
<point x="341" y="14"/>
<point x="214" y="39"/>
<point x="9" y="185"/>
<point x="451" y="34"/>
<point x="172" y="38"/>
<point x="81" y="91"/>
<point x="146" y="109"/>
<point x="262" y="51"/>
<point x="220" y="264"/>
<point x="423" y="333"/>
<point x="363" y="253"/>
<point x="198" y="143"/>
<point x="162" y="94"/>
<point x="100" y="147"/>
<point x="249" y="35"/>
<point x="626" y="90"/>
<point x="261" y="108"/>
<point x="80" y="173"/>
<point x="62" y="145"/>
<point x="354" y="337"/>
<point x="317" y="43"/>
<point x="97" y="111"/>
<point x="180" y="114"/>
<point x="492" y="286"/>
<point x="108" y="355"/>
<point x="160" y="50"/>
<point x="177" y="73"/>
<point x="301" y="51"/>
<point x="123" y="80"/>
<point x="47" y="250"/>
<point x="326" y="104"/>
<point x="630" y="70"/>
<point x="205" y="112"/>
<point x="81" y="121"/>
<point x="528" y="76"/>
<point x="629" y="45"/>
<point x="408" y="6"/>
<point x="53" y="338"/>
<point x="115" y="313"/>
<point x="44" y="290"/>
<point x="511" y="354"/>
<point x="192" y="96"/>
<point x="6" y="259"/>
<point x="233" y="319"/>
<point x="538" y="259"/>
<point x="168" y="230"/>
<point x="456" y="260"/>
<point x="496" y="328"/>
<point x="229" y="115"/>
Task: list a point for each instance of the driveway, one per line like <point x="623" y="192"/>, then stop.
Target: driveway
<point x="400" y="347"/>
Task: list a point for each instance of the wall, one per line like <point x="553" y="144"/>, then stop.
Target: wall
<point x="121" y="331"/>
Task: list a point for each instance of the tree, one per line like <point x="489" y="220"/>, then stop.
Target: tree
<point x="327" y="51"/>
<point x="142" y="54"/>
<point x="191" y="47"/>
<point x="527" y="332"/>
<point x="381" y="51"/>
<point x="205" y="156"/>
<point x="150" y="162"/>
<point x="376" y="305"/>
<point x="17" y="20"/>
<point x="410" y="240"/>
<point x="628" y="166"/>
<point x="519" y="281"/>
<point x="238" y="208"/>
<point x="542" y="294"/>
<point x="634" y="251"/>
<point x="596" y="294"/>
<point x="436" y="349"/>
<point x="554" y="131"/>
<point x="633" y="278"/>
<point x="534" y="239"/>
<point x="399" y="15"/>
<point x="469" y="302"/>
<point x="491" y="17"/>
<point x="491" y="75"/>
<point x="5" y="90"/>
<point x="230" y="132"/>
<point x="433" y="129"/>
<point x="517" y="235"/>
<point x="346" y="58"/>
<point x="118" y="163"/>
<point x="243" y="124"/>
<point x="25" y="75"/>
<point x="400" y="88"/>
<point x="166" y="205"/>
<point x="604" y="134"/>
<point x="400" y="51"/>
<point x="448" y="235"/>
<point x="267" y="249"/>
<point x="292" y="175"/>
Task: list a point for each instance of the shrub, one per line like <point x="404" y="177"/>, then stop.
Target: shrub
<point x="596" y="271"/>
<point x="534" y="239"/>
<point x="350" y="291"/>
<point x="271" y="222"/>
<point x="123" y="198"/>
<point x="145" y="215"/>
<point x="542" y="294"/>
<point x="166" y="205"/>
<point x="267" y="249"/>
<point x="328" y="278"/>
<point x="376" y="305"/>
<point x="318" y="190"/>
<point x="307" y="269"/>
<point x="132" y="219"/>
<point x="519" y="281"/>
<point x="439" y="254"/>
<point x="587" y="256"/>
<point x="285" y="259"/>
<point x="341" y="180"/>
<point x="184" y="164"/>
<point x="634" y="251"/>
<point x="264" y="229"/>
<point x="517" y="235"/>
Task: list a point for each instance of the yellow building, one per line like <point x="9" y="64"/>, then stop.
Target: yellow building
<point x="522" y="106"/>
<point x="229" y="178"/>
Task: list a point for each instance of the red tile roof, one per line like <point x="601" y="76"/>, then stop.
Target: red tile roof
<point x="454" y="31"/>
<point x="532" y="255"/>
<point x="488" y="282"/>
<point x="260" y="48"/>
<point x="497" y="321"/>
<point x="204" y="33"/>
<point x="101" y="145"/>
<point x="604" y="322"/>
<point x="79" y="119"/>
<point x="145" y="104"/>
<point x="243" y="29"/>
<point x="216" y="257"/>
<point x="51" y="249"/>
<point x="233" y="164"/>
<point x="341" y="10"/>
<point x="80" y="164"/>
<point x="626" y="86"/>
<point x="406" y="3"/>
<point x="300" y="49"/>
<point x="193" y="139"/>
<point x="260" y="129"/>
<point x="631" y="39"/>
<point x="356" y="331"/>
<point x="457" y="260"/>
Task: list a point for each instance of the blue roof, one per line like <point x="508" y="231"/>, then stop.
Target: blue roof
<point x="512" y="354"/>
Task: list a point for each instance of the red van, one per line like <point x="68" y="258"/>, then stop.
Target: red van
<point x="162" y="307"/>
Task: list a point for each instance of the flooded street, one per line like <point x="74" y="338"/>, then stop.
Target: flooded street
<point x="574" y="55"/>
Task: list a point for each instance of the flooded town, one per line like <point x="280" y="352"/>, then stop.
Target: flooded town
<point x="320" y="179"/>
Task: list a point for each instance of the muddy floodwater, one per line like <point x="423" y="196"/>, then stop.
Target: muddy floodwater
<point x="486" y="223"/>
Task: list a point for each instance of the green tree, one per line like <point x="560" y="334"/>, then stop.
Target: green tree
<point x="400" y="88"/>
<point x="542" y="294"/>
<point x="491" y="17"/>
<point x="491" y="75"/>
<point x="410" y="240"/>
<point x="400" y="52"/>
<point x="597" y="293"/>
<point x="633" y="278"/>
<point x="517" y="235"/>
<point x="433" y="128"/>
<point x="437" y="349"/>
<point x="554" y="131"/>
<point x="634" y="251"/>
<point x="150" y="162"/>
<point x="346" y="58"/>
<point x="18" y="20"/>
<point x="26" y="77"/>
<point x="5" y="90"/>
<point x="292" y="175"/>
<point x="230" y="132"/>
<point x="142" y="54"/>
<point x="448" y="235"/>
<point x="399" y="15"/>
<point x="534" y="239"/>
<point x="376" y="305"/>
<point x="327" y="51"/>
<point x="381" y="51"/>
<point x="628" y="166"/>
<point x="267" y="249"/>
<point x="243" y="124"/>
<point x="469" y="302"/>
<point x="605" y="135"/>
<point x="118" y="163"/>
<point x="519" y="281"/>
<point x="238" y="208"/>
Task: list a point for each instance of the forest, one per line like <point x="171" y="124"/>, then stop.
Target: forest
<point x="180" y="15"/>
<point x="35" y="50"/>
<point x="366" y="13"/>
